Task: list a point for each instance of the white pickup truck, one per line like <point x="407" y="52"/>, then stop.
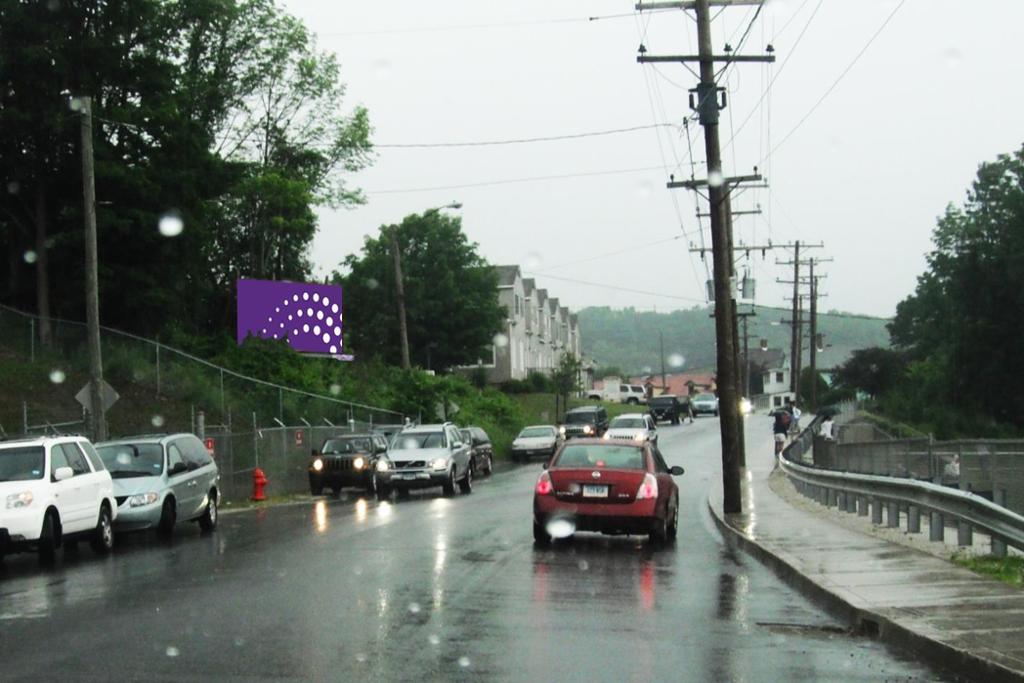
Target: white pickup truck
<point x="616" y="391"/>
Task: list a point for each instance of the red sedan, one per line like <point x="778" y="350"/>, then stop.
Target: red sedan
<point x="612" y="487"/>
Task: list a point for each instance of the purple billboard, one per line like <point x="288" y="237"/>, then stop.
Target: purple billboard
<point x="308" y="316"/>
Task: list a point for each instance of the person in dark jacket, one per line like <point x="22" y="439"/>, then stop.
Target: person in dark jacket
<point x="780" y="427"/>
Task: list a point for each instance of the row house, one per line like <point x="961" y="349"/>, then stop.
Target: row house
<point x="536" y="334"/>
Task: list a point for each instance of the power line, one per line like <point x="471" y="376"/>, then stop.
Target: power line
<point x="509" y="181"/>
<point x="517" y="141"/>
<point x="611" y="253"/>
<point x="473" y="27"/>
<point x="617" y="289"/>
<point x="836" y="82"/>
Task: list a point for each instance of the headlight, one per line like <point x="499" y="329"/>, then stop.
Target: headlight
<point x="382" y="465"/>
<point x="639" y="436"/>
<point x="440" y="464"/>
<point x="561" y="430"/>
<point x="746" y="407"/>
<point x="19" y="500"/>
<point x="318" y="464"/>
<point x="141" y="499"/>
<point x="358" y="463"/>
<point x="587" y="429"/>
<point x="607" y="436"/>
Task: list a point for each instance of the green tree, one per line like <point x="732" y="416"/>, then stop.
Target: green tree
<point x="566" y="379"/>
<point x="451" y="295"/>
<point x="966" y="316"/>
<point x="873" y="371"/>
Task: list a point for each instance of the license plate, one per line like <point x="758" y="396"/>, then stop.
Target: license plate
<point x="595" y="491"/>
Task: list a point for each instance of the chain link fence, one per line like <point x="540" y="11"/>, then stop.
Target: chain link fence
<point x="166" y="390"/>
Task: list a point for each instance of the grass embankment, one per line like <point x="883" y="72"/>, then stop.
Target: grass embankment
<point x="1008" y="569"/>
<point x="540" y="408"/>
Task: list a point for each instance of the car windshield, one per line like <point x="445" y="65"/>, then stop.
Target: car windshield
<point x="124" y="460"/>
<point x="705" y="397"/>
<point x="628" y="422"/>
<point x="410" y="441"/>
<point x="537" y="432"/>
<point x="663" y="400"/>
<point x="599" y="455"/>
<point x="580" y="418"/>
<point x="346" y="445"/>
<point x="22" y="463"/>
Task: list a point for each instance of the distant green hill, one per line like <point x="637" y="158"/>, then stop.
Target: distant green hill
<point x="628" y="339"/>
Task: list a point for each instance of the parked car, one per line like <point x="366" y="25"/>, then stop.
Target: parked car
<point x="634" y="427"/>
<point x="617" y="391"/>
<point x="426" y="456"/>
<point x="536" y="440"/>
<point x="607" y="486"/>
<point x="55" y="492"/>
<point x="161" y="480"/>
<point x="704" y="404"/>
<point x="481" y="451"/>
<point x="667" y="407"/>
<point x="346" y="460"/>
<point x="584" y="421"/>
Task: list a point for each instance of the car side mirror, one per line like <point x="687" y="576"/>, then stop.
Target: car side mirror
<point x="677" y="471"/>
<point x="63" y="473"/>
<point x="178" y="468"/>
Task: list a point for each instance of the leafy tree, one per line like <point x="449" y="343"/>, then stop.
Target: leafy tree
<point x="609" y="371"/>
<point x="566" y="378"/>
<point x="873" y="371"/>
<point x="966" y="316"/>
<point x="451" y="296"/>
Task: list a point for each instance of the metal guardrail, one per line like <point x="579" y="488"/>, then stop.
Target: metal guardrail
<point x="859" y="493"/>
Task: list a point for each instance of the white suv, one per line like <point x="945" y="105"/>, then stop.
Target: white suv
<point x="54" y="489"/>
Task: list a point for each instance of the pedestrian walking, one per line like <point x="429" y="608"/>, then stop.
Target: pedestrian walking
<point x="780" y="427"/>
<point x="795" y="427"/>
<point x="828" y="429"/>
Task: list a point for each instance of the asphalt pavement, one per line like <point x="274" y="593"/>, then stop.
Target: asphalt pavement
<point x="431" y="588"/>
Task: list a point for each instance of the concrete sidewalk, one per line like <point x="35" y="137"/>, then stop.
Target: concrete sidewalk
<point x="952" y="616"/>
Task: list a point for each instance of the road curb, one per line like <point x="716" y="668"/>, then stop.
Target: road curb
<point x="865" y="621"/>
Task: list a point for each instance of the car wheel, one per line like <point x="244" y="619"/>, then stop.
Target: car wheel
<point x="49" y="538"/>
<point x="540" y="535"/>
<point x="102" y="541"/>
<point x="632" y="401"/>
<point x="383" y="493"/>
<point x="673" y="527"/>
<point x="449" y="483"/>
<point x="466" y="485"/>
<point x="659" y="532"/>
<point x="168" y="517"/>
<point x="208" y="522"/>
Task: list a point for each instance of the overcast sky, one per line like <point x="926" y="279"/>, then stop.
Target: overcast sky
<point x="899" y="137"/>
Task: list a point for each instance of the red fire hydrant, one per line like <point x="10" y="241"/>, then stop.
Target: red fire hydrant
<point x="259" y="480"/>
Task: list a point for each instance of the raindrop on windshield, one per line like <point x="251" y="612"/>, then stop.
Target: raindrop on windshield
<point x="382" y="68"/>
<point x="560" y="528"/>
<point x="335" y="389"/>
<point x="371" y="283"/>
<point x="157" y="421"/>
<point x="716" y="179"/>
<point x="13" y="187"/>
<point x="75" y="103"/>
<point x="434" y="639"/>
<point x="361" y="657"/>
<point x="414" y="608"/>
<point x="464" y="661"/>
<point x="584" y="565"/>
<point x="533" y="261"/>
<point x="677" y="360"/>
<point x="57" y="376"/>
<point x="500" y="340"/>
<point x="952" y="57"/>
<point x="30" y="256"/>
<point x="172" y="651"/>
<point x="170" y="224"/>
<point x="644" y="188"/>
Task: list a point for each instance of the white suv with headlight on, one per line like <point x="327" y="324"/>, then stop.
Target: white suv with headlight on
<point x="54" y="489"/>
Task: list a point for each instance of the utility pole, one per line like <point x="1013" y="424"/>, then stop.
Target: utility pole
<point x="661" y="347"/>
<point x="718" y="187"/>
<point x="796" y="355"/>
<point x="814" y="338"/>
<point x="403" y="331"/>
<point x="97" y="418"/>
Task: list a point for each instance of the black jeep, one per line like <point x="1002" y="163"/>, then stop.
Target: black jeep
<point x="586" y="421"/>
<point x="666" y="407"/>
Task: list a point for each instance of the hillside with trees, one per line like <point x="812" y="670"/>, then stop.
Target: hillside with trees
<point x="629" y="339"/>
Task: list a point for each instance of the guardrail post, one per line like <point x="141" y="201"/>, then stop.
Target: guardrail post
<point x="913" y="519"/>
<point x="894" y="516"/>
<point x="964" y="534"/>
<point x="998" y="544"/>
<point x="833" y="495"/>
<point x="862" y="506"/>
<point x="936" y="527"/>
<point x="876" y="512"/>
<point x="851" y="503"/>
<point x="841" y="500"/>
<point x="823" y="496"/>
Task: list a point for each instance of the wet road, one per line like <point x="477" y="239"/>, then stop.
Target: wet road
<point x="431" y="589"/>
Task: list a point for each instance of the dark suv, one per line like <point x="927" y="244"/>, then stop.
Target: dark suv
<point x="346" y="460"/>
<point x="666" y="407"/>
<point x="587" y="421"/>
<point x="482" y="452"/>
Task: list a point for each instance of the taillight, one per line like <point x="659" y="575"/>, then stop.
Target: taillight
<point x="648" y="488"/>
<point x="544" y="487"/>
